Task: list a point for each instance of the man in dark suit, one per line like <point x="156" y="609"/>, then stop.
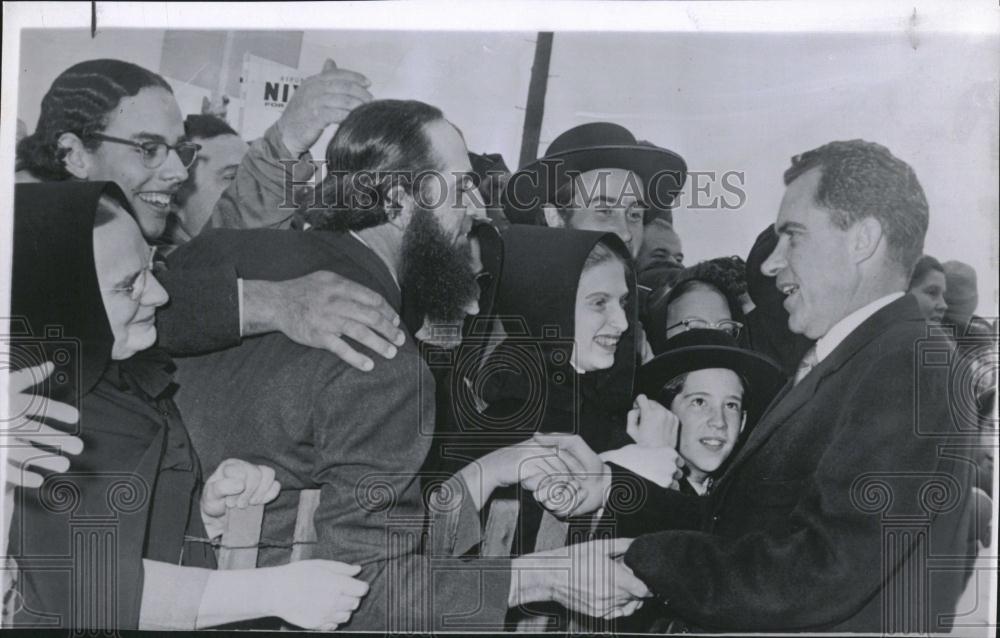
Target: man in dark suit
<point x="361" y="438"/>
<point x="847" y="508"/>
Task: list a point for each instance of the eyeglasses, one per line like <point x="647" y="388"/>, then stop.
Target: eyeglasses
<point x="154" y="154"/>
<point x="729" y="326"/>
<point x="137" y="284"/>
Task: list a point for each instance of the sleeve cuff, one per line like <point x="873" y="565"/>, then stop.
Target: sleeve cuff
<point x="171" y="595"/>
<point x="636" y="459"/>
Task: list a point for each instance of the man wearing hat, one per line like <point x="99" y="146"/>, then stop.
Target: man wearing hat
<point x="846" y="509"/>
<point x="596" y="176"/>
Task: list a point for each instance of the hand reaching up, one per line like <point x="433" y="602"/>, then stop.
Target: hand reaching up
<point x="235" y="483"/>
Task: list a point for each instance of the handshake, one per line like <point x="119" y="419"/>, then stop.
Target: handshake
<point x="567" y="477"/>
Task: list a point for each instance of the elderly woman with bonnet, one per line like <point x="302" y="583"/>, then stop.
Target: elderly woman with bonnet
<point x="123" y="540"/>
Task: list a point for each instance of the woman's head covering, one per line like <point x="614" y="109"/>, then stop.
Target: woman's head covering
<point x="57" y="310"/>
<point x="961" y="292"/>
<point x="536" y="305"/>
<point x="700" y="349"/>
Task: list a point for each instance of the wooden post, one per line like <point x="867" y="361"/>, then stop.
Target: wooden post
<point x="535" y="108"/>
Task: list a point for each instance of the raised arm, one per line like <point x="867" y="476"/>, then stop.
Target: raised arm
<point x="278" y="165"/>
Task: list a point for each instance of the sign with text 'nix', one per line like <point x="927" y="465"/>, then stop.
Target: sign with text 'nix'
<point x="265" y="89"/>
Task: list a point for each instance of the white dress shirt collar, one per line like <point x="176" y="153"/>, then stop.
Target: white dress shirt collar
<point x="835" y="335"/>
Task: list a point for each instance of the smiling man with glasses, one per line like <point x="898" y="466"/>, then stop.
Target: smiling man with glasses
<point x="134" y="151"/>
<point x="113" y="121"/>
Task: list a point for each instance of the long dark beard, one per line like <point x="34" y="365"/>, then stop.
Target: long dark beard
<point x="436" y="276"/>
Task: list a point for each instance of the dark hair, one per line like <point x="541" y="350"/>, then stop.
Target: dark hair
<point x="562" y="201"/>
<point x="379" y="145"/>
<point x="79" y="102"/>
<point x="671" y="389"/>
<point x="712" y="275"/>
<point x="204" y="127"/>
<point x="860" y="179"/>
<point x="924" y="266"/>
<point x="675" y="386"/>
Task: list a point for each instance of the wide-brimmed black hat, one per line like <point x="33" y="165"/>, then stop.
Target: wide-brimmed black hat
<point x="588" y="147"/>
<point x="700" y="349"/>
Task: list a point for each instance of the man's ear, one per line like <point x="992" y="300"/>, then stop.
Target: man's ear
<point x="76" y="158"/>
<point x="552" y="217"/>
<point x="398" y="207"/>
<point x="866" y="237"/>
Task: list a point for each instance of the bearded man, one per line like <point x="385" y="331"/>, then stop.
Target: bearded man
<point x="394" y="214"/>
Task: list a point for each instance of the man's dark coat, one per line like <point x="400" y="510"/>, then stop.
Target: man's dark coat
<point x="846" y="510"/>
<point x="359" y="437"/>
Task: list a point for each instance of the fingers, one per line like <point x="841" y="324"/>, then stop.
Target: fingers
<point x="24" y="404"/>
<point x="559" y="496"/>
<point x="23" y="460"/>
<point x="368" y="338"/>
<point x="627" y="609"/>
<point x="643" y="403"/>
<point x="371" y="318"/>
<point x="29" y="377"/>
<point x="49" y="409"/>
<point x="35" y="432"/>
<point x="271" y="493"/>
<point x="349" y="355"/>
<point x="626" y="580"/>
<point x="632" y="424"/>
<point x="543" y="465"/>
<point x="573" y="446"/>
<point x="23" y="477"/>
<point x="252" y="476"/>
<point x="23" y="457"/>
<point x="337" y="567"/>
<point x="353" y="291"/>
<point x="333" y="72"/>
<point x="226" y="490"/>
<point x="673" y="429"/>
<point x="344" y="93"/>
<point x="265" y="487"/>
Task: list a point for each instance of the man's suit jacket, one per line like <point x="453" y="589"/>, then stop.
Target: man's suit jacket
<point x="359" y="437"/>
<point x="846" y="509"/>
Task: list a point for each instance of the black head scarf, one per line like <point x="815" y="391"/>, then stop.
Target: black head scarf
<point x="57" y="310"/>
<point x="529" y="380"/>
<point x="767" y="324"/>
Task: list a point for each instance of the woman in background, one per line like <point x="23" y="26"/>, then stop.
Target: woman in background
<point x="929" y="285"/>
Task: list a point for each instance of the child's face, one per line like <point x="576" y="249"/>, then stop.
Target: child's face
<point x="710" y="410"/>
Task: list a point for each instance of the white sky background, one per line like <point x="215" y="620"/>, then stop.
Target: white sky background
<point x="725" y="101"/>
<point x="749" y="102"/>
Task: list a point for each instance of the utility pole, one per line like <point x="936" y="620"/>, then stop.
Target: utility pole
<point x="535" y="108"/>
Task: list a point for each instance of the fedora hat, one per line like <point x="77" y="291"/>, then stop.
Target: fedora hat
<point x="588" y="147"/>
<point x="701" y="349"/>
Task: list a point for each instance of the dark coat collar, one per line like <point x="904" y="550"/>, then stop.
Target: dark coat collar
<point x="150" y="372"/>
<point x="791" y="398"/>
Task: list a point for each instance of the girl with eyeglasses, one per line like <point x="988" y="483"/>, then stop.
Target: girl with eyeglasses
<point x="701" y="298"/>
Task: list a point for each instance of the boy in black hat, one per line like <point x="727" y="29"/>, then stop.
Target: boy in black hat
<point x="703" y="391"/>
